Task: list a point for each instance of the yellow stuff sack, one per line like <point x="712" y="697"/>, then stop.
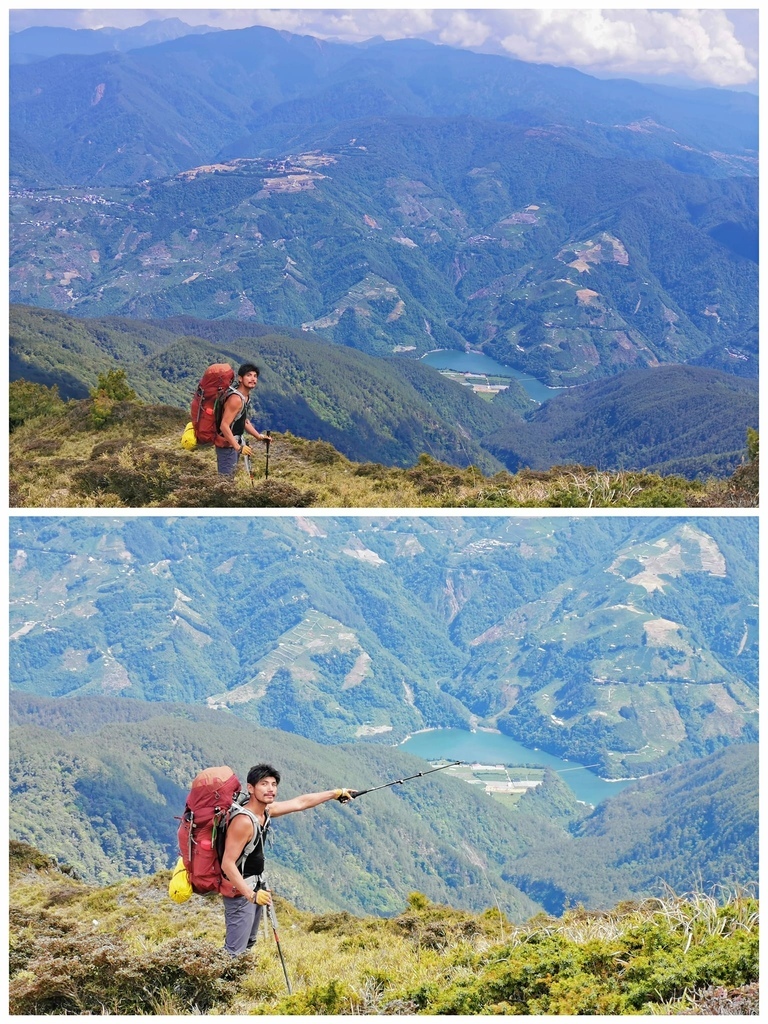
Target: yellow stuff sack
<point x="179" y="889"/>
<point x="188" y="439"/>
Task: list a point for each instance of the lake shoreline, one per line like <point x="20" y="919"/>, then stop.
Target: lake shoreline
<point x="536" y="389"/>
<point x="484" y="746"/>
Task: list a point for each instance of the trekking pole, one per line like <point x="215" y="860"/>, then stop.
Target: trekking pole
<point x="266" y="464"/>
<point x="249" y="468"/>
<point x="399" y="782"/>
<point x="273" y="921"/>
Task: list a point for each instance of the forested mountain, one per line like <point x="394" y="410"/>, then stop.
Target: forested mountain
<point x="673" y="829"/>
<point x="418" y="235"/>
<point x="394" y="197"/>
<point x="631" y="643"/>
<point x="116" y="772"/>
<point x="686" y="420"/>
<point x="102" y="116"/>
<point x="672" y="419"/>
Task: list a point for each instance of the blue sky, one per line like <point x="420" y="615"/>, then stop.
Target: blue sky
<point x="706" y="47"/>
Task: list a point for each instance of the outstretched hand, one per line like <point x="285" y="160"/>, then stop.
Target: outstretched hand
<point x="345" y="795"/>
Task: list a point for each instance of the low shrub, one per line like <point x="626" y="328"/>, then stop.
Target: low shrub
<point x="137" y="474"/>
<point x="96" y="973"/>
<point x="27" y="401"/>
<point x="207" y="493"/>
<point x="432" y="477"/>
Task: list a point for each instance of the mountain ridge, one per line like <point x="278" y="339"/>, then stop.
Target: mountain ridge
<point x="535" y="839"/>
<point x="394" y="410"/>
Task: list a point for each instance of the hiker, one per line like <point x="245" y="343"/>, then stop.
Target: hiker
<point x="242" y="913"/>
<point x="234" y="423"/>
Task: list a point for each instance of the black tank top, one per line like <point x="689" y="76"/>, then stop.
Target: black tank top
<point x="254" y="862"/>
<point x="238" y="424"/>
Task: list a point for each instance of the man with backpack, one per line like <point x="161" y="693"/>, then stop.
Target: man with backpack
<point x="243" y="860"/>
<point x="233" y="423"/>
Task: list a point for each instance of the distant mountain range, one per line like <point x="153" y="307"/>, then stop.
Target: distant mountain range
<point x="393" y="197"/>
<point x="110" y="117"/>
<point x="631" y="643"/>
<point x="42" y="42"/>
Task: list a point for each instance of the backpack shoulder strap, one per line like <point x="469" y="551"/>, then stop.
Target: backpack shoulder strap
<point x="259" y="830"/>
<point x="221" y="401"/>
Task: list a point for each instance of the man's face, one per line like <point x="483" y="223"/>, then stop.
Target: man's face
<point x="265" y="790"/>
<point x="250" y="380"/>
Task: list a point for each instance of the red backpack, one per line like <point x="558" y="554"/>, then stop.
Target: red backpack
<point x="214" y="382"/>
<point x="206" y="815"/>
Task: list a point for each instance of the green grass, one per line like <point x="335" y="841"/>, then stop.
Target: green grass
<point x="79" y="455"/>
<point x="128" y="949"/>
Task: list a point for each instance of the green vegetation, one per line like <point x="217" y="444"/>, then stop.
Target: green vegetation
<point x="632" y="642"/>
<point x="27" y="401"/>
<point x="652" y="833"/>
<point x="685" y="421"/>
<point x="670" y="420"/>
<point x="106" y="453"/>
<point x="116" y="772"/>
<point x="128" y="949"/>
<point x="111" y="388"/>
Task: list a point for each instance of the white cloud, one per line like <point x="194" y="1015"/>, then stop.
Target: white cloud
<point x="698" y="43"/>
<point x="464" y="29"/>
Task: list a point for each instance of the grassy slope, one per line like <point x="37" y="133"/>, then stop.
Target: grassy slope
<point x="134" y="459"/>
<point x="128" y="949"/>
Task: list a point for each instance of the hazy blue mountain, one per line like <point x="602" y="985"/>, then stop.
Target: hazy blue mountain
<point x="41" y="42"/>
<point x="96" y="113"/>
<point x="627" y="642"/>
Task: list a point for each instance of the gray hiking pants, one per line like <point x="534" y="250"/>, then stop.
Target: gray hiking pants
<point x="226" y="460"/>
<point x="241" y="919"/>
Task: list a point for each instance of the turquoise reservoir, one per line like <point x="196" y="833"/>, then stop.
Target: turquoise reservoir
<point x="474" y="362"/>
<point x="495" y="748"/>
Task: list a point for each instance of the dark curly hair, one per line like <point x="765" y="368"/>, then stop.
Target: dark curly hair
<point x="263" y="771"/>
<point x="248" y="368"/>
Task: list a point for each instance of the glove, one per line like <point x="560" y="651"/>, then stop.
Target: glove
<point x="263" y="897"/>
<point x="245" y="450"/>
<point x="345" y="795"/>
